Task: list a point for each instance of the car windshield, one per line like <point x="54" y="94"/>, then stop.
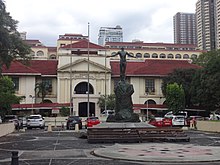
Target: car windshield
<point x="34" y="117"/>
<point x="74" y="118"/>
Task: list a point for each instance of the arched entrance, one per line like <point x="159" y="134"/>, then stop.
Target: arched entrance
<point x="83" y="109"/>
<point x="82" y="88"/>
<point x="150" y="102"/>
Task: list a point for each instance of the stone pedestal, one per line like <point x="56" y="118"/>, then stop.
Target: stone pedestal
<point x="123" y="104"/>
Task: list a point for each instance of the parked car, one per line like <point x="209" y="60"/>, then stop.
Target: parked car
<point x="157" y="122"/>
<point x="72" y="121"/>
<point x="170" y="114"/>
<point x="35" y="121"/>
<point x="178" y="120"/>
<point x="214" y="116"/>
<point x="10" y="118"/>
<point x="108" y="112"/>
<point x="167" y="122"/>
<point x="91" y="121"/>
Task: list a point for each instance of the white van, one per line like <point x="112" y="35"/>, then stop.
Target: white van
<point x="181" y="113"/>
<point x="178" y="120"/>
<point x="108" y="112"/>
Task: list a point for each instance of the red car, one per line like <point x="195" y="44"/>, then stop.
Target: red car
<point x="91" y="121"/>
<point x="161" y="122"/>
<point x="167" y="122"/>
<point x="157" y="122"/>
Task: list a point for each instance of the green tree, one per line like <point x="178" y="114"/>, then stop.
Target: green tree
<point x="7" y="95"/>
<point x="205" y="87"/>
<point x="41" y="90"/>
<point x="109" y="102"/>
<point x="183" y="77"/>
<point x="64" y="111"/>
<point x="175" y="98"/>
<point x="11" y="45"/>
<point x="205" y="58"/>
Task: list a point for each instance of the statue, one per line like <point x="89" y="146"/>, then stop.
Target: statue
<point x="123" y="62"/>
<point x="123" y="92"/>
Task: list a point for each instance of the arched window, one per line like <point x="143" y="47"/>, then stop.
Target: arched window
<point x="194" y="56"/>
<point x="185" y="56"/>
<point x="170" y="55"/>
<point x="178" y="56"/>
<point x="82" y="88"/>
<point x="52" y="56"/>
<point x="40" y="53"/>
<point x="146" y="55"/>
<point x="162" y="55"/>
<point x="139" y="55"/>
<point x="154" y="55"/>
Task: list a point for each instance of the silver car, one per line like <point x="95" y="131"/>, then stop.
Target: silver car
<point x="35" y="121"/>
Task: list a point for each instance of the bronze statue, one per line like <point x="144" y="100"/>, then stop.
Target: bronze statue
<point x="123" y="91"/>
<point x="123" y="62"/>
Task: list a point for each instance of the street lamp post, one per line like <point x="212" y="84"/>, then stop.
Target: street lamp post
<point x="88" y="103"/>
<point x="32" y="104"/>
<point x="147" y="105"/>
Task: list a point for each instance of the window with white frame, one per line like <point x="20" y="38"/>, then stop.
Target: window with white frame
<point x="150" y="86"/>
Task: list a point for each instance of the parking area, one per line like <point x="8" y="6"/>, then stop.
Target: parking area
<point x="40" y="147"/>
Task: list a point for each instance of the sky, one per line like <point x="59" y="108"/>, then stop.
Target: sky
<point x="146" y="20"/>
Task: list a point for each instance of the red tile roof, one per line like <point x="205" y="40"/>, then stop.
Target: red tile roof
<point x="18" y="68"/>
<point x="150" y="67"/>
<point x="45" y="67"/>
<point x="36" y="67"/>
<point x="83" y="44"/>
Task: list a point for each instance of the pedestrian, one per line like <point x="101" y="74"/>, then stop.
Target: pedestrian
<point x="194" y="123"/>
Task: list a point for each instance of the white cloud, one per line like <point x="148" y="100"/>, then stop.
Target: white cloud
<point x="150" y="21"/>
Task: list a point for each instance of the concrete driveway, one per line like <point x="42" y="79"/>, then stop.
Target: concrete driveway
<point x="39" y="147"/>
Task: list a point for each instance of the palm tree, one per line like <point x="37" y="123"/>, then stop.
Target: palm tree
<point x="41" y="90"/>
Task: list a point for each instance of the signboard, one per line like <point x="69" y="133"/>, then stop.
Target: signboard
<point x="55" y="110"/>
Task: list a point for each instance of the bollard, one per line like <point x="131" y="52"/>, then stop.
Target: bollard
<point x="14" y="158"/>
<point x="77" y="127"/>
<point x="49" y="128"/>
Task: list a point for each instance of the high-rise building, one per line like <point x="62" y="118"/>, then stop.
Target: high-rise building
<point x="184" y="28"/>
<point x="110" y="34"/>
<point x="217" y="24"/>
<point x="206" y="21"/>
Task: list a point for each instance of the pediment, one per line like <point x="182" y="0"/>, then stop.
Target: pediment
<point x="81" y="65"/>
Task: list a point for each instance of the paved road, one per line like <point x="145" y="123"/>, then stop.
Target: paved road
<point x="39" y="147"/>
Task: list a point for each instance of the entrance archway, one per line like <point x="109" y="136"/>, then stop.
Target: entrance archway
<point x="83" y="109"/>
<point x="150" y="102"/>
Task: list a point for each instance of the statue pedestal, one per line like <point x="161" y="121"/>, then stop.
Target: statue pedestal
<point x="123" y="104"/>
<point x="133" y="132"/>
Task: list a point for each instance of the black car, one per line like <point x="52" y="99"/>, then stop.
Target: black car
<point x="72" y="121"/>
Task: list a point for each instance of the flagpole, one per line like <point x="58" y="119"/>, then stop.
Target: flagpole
<point x="88" y="75"/>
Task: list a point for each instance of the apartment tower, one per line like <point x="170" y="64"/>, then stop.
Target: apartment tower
<point x="110" y="34"/>
<point x="184" y="28"/>
<point x="207" y="14"/>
